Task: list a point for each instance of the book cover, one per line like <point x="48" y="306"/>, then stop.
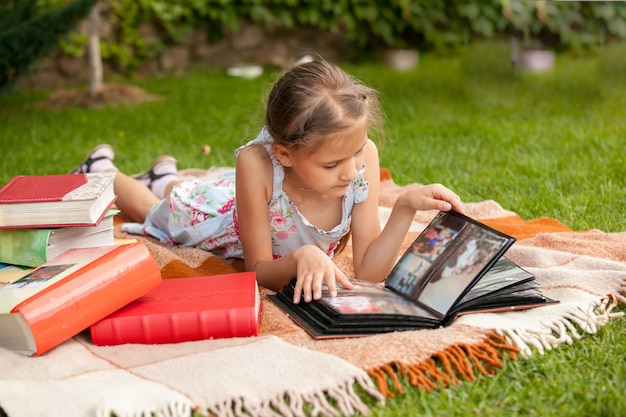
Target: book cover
<point x="40" y="188"/>
<point x="36" y="246"/>
<point x="66" y="295"/>
<point x="56" y="200"/>
<point x="455" y="266"/>
<point x="186" y="309"/>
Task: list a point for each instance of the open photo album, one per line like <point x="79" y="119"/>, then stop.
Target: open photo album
<point x="455" y="266"/>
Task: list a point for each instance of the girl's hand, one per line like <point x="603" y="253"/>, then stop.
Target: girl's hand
<point x="432" y="197"/>
<point x="314" y="268"/>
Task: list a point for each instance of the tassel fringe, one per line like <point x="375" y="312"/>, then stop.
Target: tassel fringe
<point x="174" y="409"/>
<point x="566" y="329"/>
<point x="336" y="401"/>
<point x="446" y="368"/>
<point x="460" y="363"/>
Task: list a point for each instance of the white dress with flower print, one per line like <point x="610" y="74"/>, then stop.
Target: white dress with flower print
<point x="203" y="214"/>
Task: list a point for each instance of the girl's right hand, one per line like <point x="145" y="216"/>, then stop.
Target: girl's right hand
<point x="431" y="197"/>
<point x="314" y="268"/>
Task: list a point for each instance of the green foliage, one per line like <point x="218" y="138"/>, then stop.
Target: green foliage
<point x="572" y="25"/>
<point x="438" y="25"/>
<point x="27" y="33"/>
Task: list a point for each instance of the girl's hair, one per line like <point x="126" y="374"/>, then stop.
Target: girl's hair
<point x="315" y="99"/>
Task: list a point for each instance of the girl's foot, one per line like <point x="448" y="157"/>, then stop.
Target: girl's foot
<point x="99" y="159"/>
<point x="162" y="171"/>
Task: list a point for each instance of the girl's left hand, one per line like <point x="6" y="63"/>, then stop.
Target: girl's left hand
<point x="314" y="268"/>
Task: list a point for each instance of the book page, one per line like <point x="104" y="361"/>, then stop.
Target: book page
<point x="502" y="274"/>
<point x="460" y="270"/>
<point x="445" y="260"/>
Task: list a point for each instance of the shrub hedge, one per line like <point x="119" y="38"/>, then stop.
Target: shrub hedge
<point x="439" y="25"/>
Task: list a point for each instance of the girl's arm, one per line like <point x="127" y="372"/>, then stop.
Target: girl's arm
<point x="375" y="252"/>
<point x="308" y="263"/>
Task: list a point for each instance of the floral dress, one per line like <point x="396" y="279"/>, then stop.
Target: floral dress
<point x="203" y="214"/>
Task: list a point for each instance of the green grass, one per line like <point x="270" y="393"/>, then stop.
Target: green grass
<point x="549" y="144"/>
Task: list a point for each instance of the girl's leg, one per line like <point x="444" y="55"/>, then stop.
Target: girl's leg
<point x="133" y="198"/>
<point x="158" y="178"/>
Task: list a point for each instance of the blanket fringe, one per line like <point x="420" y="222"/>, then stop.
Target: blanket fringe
<point x="567" y="329"/>
<point x="174" y="409"/>
<point x="460" y="362"/>
<point x="447" y="367"/>
<point x="339" y="400"/>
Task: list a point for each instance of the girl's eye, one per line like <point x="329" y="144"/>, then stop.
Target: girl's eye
<point x="330" y="166"/>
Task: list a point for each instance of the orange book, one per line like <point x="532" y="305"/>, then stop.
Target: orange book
<point x="186" y="309"/>
<point x="46" y="201"/>
<point x="71" y="292"/>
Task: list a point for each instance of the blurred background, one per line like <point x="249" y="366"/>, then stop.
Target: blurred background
<point x="47" y="44"/>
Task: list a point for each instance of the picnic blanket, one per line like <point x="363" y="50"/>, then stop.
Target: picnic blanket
<point x="284" y="371"/>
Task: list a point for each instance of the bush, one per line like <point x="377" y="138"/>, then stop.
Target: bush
<point x="439" y="25"/>
<point x="28" y="33"/>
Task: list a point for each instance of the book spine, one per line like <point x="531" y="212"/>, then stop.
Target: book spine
<point x="27" y="247"/>
<point x="176" y="327"/>
<point x="90" y="294"/>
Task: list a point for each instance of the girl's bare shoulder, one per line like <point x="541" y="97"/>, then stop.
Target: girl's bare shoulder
<point x="254" y="152"/>
<point x="254" y="169"/>
<point x="372" y="161"/>
<point x="371" y="149"/>
<point x="254" y="159"/>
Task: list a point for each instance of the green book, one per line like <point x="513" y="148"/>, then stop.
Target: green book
<point x="34" y="247"/>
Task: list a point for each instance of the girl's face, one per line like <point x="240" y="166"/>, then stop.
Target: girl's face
<point x="330" y="167"/>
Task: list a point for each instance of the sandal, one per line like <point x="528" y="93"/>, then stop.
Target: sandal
<point x="106" y="152"/>
<point x="166" y="163"/>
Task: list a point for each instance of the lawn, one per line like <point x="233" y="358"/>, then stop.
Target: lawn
<point x="547" y="144"/>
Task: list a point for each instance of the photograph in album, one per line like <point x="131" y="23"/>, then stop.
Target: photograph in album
<point x="443" y="262"/>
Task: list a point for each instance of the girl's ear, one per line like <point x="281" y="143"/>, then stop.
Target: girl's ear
<point x="283" y="154"/>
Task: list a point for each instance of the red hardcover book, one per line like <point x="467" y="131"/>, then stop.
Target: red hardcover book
<point x="30" y="201"/>
<point x="186" y="309"/>
<point x="68" y="294"/>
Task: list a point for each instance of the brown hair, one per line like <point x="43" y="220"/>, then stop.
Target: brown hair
<point x="315" y="99"/>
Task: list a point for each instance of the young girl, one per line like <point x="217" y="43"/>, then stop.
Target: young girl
<point x="306" y="183"/>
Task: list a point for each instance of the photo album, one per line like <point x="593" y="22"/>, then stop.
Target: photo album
<point x="455" y="266"/>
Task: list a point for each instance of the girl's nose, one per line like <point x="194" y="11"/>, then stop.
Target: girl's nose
<point x="350" y="171"/>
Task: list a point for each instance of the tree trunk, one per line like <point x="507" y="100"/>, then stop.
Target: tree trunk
<point x="95" y="58"/>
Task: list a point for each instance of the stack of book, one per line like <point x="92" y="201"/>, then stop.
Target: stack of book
<point x="60" y="269"/>
<point x="42" y="216"/>
<point x="61" y="273"/>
